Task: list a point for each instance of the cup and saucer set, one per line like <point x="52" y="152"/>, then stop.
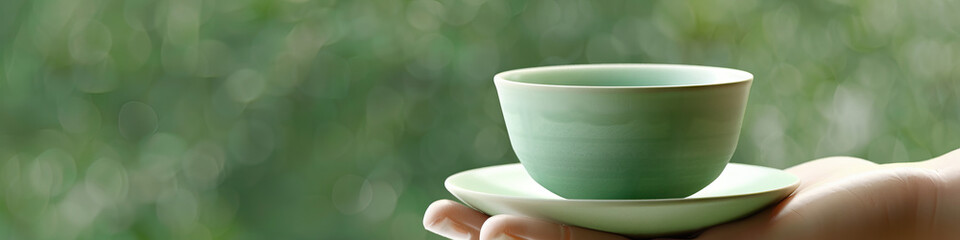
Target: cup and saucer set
<point x="640" y="150"/>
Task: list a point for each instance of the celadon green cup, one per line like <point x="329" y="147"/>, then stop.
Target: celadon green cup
<point x="623" y="131"/>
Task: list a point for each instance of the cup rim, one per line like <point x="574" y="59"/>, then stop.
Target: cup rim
<point x="740" y="76"/>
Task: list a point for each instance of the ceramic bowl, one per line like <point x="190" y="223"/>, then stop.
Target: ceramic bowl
<point x="623" y="131"/>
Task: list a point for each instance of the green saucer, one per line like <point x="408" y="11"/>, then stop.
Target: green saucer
<point x="739" y="191"/>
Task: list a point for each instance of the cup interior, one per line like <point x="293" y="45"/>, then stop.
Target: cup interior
<point x="626" y="75"/>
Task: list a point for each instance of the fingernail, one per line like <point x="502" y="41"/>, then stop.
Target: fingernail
<point x="449" y="229"/>
<point x="504" y="236"/>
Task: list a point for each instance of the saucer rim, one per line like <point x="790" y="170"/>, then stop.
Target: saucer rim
<point x="450" y="188"/>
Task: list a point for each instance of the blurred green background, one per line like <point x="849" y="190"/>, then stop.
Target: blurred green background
<point x="300" y="119"/>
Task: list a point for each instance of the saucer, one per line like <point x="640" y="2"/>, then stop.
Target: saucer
<point x="740" y="190"/>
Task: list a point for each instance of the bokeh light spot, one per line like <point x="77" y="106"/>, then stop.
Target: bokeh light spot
<point x="137" y="120"/>
<point x="106" y="182"/>
<point x="351" y="194"/>
<point x="100" y="77"/>
<point x="177" y="209"/>
<point x="490" y="144"/>
<point x="138" y="48"/>
<point x="333" y="141"/>
<point x="79" y="208"/>
<point x="424" y="14"/>
<point x="435" y="52"/>
<point x="245" y="85"/>
<point x="52" y="173"/>
<point x="202" y="165"/>
<point x="561" y="42"/>
<point x="604" y="48"/>
<point x="78" y="116"/>
<point x="216" y="59"/>
<point x="90" y="42"/>
<point x="382" y="203"/>
<point x="251" y="142"/>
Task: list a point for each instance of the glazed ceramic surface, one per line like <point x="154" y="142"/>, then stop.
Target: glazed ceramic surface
<point x="623" y="131"/>
<point x="739" y="191"/>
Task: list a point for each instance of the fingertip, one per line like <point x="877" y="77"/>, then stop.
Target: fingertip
<point x="438" y="210"/>
<point x="516" y="227"/>
<point x="499" y="227"/>
<point x="453" y="220"/>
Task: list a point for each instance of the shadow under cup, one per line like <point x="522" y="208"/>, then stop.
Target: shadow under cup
<point x="623" y="131"/>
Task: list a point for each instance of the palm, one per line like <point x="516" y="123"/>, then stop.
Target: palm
<point x="839" y="198"/>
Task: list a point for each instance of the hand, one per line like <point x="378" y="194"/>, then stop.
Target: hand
<point x="838" y="198"/>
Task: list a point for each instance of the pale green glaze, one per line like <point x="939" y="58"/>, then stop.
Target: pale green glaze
<point x="739" y="191"/>
<point x="623" y="131"/>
